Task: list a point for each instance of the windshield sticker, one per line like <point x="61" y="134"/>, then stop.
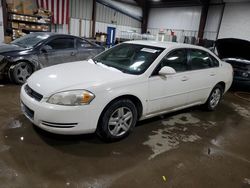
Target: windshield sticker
<point x="149" y="50"/>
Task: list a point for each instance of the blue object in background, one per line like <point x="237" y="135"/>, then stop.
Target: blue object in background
<point x="111" y="36"/>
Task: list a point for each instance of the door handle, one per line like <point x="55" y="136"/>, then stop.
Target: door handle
<point x="73" y="53"/>
<point x="212" y="74"/>
<point x="184" y="78"/>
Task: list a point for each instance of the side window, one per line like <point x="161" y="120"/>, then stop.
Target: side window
<point x="200" y="60"/>
<point x="61" y="43"/>
<point x="176" y="59"/>
<point x="83" y="44"/>
<point x="215" y="62"/>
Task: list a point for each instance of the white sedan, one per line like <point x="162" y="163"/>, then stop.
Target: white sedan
<point x="132" y="81"/>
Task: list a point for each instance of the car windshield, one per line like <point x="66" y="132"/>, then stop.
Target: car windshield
<point x="129" y="58"/>
<point x="30" y="40"/>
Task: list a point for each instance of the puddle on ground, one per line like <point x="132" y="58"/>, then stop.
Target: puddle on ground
<point x="241" y="110"/>
<point x="4" y="147"/>
<point x="170" y="137"/>
<point x="13" y="124"/>
<point x="182" y="119"/>
<point x="7" y="172"/>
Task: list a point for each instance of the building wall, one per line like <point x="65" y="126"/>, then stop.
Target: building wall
<point x="213" y="20"/>
<point x="181" y="20"/>
<point x="1" y="24"/>
<point x="235" y="22"/>
<point x="81" y="15"/>
<point x="81" y="9"/>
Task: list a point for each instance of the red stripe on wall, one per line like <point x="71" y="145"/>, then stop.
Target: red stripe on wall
<point x="52" y="10"/>
<point x="67" y="12"/>
<point x="63" y="10"/>
<point x="42" y="4"/>
<point x="47" y="4"/>
<point x="57" y="12"/>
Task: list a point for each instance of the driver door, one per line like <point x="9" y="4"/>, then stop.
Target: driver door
<point x="169" y="92"/>
<point x="58" y="50"/>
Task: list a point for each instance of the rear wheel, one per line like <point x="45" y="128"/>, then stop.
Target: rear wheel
<point x="118" y="120"/>
<point x="214" y="98"/>
<point x="21" y="72"/>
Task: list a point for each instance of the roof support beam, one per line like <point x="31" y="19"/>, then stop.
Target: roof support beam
<point x="144" y="23"/>
<point x="93" y="18"/>
<point x="203" y="19"/>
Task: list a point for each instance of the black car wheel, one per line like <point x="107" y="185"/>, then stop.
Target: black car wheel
<point x="118" y="120"/>
<point x="214" y="98"/>
<point x="21" y="72"/>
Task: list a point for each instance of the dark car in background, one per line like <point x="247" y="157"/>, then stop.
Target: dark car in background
<point x="237" y="53"/>
<point x="23" y="56"/>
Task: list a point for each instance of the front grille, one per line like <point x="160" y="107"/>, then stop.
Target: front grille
<point x="33" y="93"/>
<point x="28" y="111"/>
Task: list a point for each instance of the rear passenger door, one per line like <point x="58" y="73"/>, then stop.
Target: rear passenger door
<point x="202" y="75"/>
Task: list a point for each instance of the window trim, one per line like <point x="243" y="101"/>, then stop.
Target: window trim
<point x="189" y="59"/>
<point x="181" y="48"/>
<point x="55" y="38"/>
<point x="79" y="39"/>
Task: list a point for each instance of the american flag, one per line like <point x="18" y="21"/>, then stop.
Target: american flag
<point x="59" y="9"/>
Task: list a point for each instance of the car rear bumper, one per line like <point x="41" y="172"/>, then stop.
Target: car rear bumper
<point x="57" y="118"/>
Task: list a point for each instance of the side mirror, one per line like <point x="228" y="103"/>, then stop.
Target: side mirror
<point x="167" y="71"/>
<point x="46" y="49"/>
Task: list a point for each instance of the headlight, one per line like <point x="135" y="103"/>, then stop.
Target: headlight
<point x="72" y="98"/>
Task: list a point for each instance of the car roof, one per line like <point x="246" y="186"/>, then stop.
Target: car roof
<point x="166" y="45"/>
<point x="53" y="34"/>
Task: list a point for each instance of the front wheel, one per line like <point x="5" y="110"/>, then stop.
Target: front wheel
<point x="118" y="120"/>
<point x="21" y="72"/>
<point x="214" y="98"/>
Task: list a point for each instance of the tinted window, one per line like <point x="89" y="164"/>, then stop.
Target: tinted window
<point x="129" y="58"/>
<point x="201" y="60"/>
<point x="83" y="44"/>
<point x="61" y="43"/>
<point x="215" y="62"/>
<point x="176" y="59"/>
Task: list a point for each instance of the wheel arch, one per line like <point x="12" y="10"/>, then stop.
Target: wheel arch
<point x="133" y="98"/>
<point x="222" y="84"/>
<point x="12" y="66"/>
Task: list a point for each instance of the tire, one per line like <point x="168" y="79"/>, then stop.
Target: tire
<point x="117" y="120"/>
<point x="214" y="98"/>
<point x="20" y="72"/>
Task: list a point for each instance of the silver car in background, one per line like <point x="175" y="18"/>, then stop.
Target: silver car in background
<point x="23" y="56"/>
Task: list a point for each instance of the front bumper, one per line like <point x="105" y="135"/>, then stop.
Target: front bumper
<point x="57" y="118"/>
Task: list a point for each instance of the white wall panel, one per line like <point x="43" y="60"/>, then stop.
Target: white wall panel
<point x="102" y="27"/>
<point x="235" y="22"/>
<point x="181" y="18"/>
<point x="74" y="27"/>
<point x="213" y="19"/>
<point x="81" y="9"/>
<point x="1" y="25"/>
<point x="108" y="15"/>
<point x="62" y="28"/>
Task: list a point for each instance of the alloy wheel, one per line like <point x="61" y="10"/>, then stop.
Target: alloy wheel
<point x="215" y="98"/>
<point x="120" y="121"/>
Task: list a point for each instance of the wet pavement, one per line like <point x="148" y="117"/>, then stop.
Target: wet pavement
<point x="190" y="148"/>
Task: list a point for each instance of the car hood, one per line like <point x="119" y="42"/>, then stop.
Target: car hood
<point x="75" y="75"/>
<point x="10" y="48"/>
<point x="233" y="48"/>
